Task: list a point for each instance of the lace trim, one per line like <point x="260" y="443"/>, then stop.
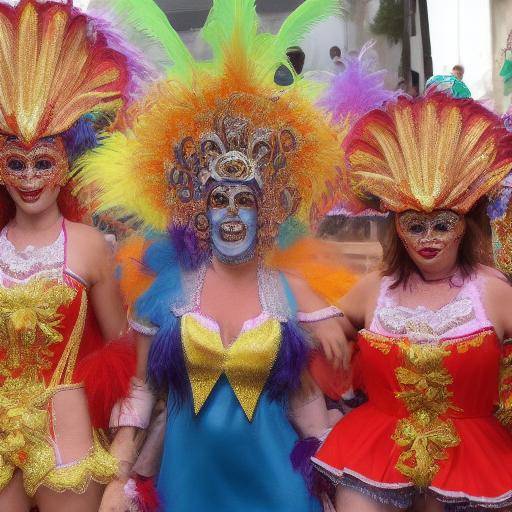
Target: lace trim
<point x="320" y="314"/>
<point x="19" y="266"/>
<point x="403" y="495"/>
<point x="271" y="294"/>
<point x="146" y="330"/>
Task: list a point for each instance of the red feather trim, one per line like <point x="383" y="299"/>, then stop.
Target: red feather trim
<point x="106" y="375"/>
<point x="147" y="495"/>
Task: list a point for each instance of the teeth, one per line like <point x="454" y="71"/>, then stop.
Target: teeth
<point x="233" y="231"/>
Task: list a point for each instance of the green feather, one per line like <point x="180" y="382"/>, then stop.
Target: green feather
<point x="302" y="20"/>
<point x="147" y="18"/>
<point x="227" y="16"/>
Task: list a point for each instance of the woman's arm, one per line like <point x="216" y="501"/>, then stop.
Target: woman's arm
<point x="92" y="257"/>
<point x="128" y="439"/>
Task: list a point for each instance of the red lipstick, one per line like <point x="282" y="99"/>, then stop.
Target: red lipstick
<point x="30" y="196"/>
<point x="428" y="253"/>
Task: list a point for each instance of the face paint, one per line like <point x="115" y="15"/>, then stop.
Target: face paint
<point x="233" y="216"/>
<point x="31" y="171"/>
<point x="430" y="234"/>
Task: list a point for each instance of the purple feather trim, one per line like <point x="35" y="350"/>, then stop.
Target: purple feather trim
<point x="300" y="458"/>
<point x="166" y="362"/>
<point x="357" y="90"/>
<point x="189" y="253"/>
<point x="291" y="360"/>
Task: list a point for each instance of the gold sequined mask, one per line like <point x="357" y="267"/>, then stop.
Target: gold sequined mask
<point x="438" y="229"/>
<point x="43" y="165"/>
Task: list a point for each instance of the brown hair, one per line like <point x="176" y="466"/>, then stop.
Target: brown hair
<point x="475" y="248"/>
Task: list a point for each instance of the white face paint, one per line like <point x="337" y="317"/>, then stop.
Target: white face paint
<point x="233" y="216"/>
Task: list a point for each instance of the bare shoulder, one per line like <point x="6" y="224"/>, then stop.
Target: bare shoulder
<point x="369" y="284"/>
<point x="491" y="273"/>
<point x="88" y="250"/>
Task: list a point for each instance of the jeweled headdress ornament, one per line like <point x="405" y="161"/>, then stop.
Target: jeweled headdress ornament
<point x="223" y="120"/>
<point x="436" y="152"/>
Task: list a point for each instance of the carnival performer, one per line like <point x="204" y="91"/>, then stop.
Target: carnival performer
<point x="431" y="323"/>
<point x="230" y="163"/>
<point x="60" y="79"/>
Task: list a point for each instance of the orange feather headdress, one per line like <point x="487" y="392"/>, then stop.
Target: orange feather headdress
<point x="432" y="153"/>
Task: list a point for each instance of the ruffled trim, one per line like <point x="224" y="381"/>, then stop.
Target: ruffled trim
<point x="401" y="495"/>
<point x="98" y="466"/>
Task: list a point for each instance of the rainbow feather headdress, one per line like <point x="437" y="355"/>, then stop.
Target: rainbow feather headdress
<point x="225" y="119"/>
<point x="54" y="68"/>
<point x="436" y="152"/>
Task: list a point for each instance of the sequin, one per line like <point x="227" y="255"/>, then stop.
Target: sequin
<point x="29" y="323"/>
<point x="246" y="363"/>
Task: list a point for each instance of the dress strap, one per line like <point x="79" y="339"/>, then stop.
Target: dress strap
<point x="473" y="289"/>
<point x="384" y="300"/>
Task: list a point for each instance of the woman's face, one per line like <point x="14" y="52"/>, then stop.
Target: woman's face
<point x="233" y="217"/>
<point x="33" y="176"/>
<point x="432" y="240"/>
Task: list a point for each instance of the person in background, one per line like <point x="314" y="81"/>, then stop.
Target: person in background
<point x="337" y="65"/>
<point x="458" y="71"/>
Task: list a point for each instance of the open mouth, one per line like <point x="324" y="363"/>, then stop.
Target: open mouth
<point x="428" y="253"/>
<point x="30" y="196"/>
<point x="233" y="231"/>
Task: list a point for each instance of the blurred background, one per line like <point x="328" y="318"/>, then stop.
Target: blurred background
<point x="414" y="38"/>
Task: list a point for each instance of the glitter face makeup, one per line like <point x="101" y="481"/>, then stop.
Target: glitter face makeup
<point x="32" y="170"/>
<point x="233" y="216"/>
<point x="429" y="234"/>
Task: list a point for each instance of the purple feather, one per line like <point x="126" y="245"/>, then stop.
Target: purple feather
<point x="291" y="360"/>
<point x="166" y="362"/>
<point x="141" y="73"/>
<point x="300" y="458"/>
<point x="356" y="91"/>
<point x="80" y="138"/>
<point x="189" y="252"/>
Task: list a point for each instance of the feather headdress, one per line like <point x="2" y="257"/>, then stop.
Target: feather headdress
<point x="53" y="69"/>
<point x="432" y="153"/>
<point x="223" y="118"/>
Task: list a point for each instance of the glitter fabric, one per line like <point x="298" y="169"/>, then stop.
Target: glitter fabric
<point x="246" y="363"/>
<point x="432" y="153"/>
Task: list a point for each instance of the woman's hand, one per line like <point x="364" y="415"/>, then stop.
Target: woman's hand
<point x="114" y="498"/>
<point x="330" y="335"/>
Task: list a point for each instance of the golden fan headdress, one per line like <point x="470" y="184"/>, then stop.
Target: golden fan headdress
<point x="222" y="119"/>
<point x="432" y="153"/>
<point x="53" y="69"/>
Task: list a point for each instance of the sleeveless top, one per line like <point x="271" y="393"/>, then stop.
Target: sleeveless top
<point x="46" y="328"/>
<point x="432" y="378"/>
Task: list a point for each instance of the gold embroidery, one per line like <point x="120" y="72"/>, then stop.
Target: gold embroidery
<point x="426" y="437"/>
<point x="473" y="341"/>
<point x="424" y="391"/>
<point x="246" y="363"/>
<point x="24" y="429"/>
<point x="29" y="323"/>
<point x="70" y="354"/>
<point x="379" y="342"/>
<point x="504" y="412"/>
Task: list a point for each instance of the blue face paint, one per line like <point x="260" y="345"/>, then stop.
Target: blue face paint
<point x="233" y="216"/>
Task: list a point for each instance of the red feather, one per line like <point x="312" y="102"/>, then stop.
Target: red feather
<point x="106" y="375"/>
<point x="147" y="495"/>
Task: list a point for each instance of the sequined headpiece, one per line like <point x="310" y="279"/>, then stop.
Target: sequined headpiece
<point x="54" y="68"/>
<point x="436" y="152"/>
<point x="223" y="121"/>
